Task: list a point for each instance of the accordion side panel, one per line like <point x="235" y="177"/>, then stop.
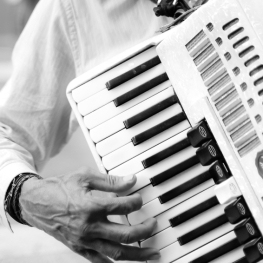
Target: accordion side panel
<point x="253" y="10"/>
<point x="175" y="56"/>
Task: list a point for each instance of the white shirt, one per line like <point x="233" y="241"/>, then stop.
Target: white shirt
<point x="63" y="39"/>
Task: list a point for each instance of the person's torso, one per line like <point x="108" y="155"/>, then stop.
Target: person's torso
<point x="108" y="27"/>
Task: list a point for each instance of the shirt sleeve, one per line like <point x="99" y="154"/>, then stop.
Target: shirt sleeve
<point x="34" y="111"/>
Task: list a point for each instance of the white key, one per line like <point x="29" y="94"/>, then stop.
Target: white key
<point x="170" y="235"/>
<point x="175" y="251"/>
<point x="105" y="96"/>
<point x="227" y="191"/>
<point x="154" y="208"/>
<point x="205" y="249"/>
<point x="116" y="124"/>
<point x="129" y="151"/>
<point x="231" y="256"/>
<point x="97" y="84"/>
<point x="109" y="111"/>
<point x="149" y="192"/>
<point x="124" y="136"/>
<point x="195" y="199"/>
<point x="135" y="166"/>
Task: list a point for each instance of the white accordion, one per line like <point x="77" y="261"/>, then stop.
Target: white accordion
<point x="183" y="111"/>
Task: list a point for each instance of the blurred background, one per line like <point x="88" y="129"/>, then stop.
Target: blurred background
<point x="29" y="245"/>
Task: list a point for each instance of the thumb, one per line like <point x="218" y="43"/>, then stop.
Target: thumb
<point x="111" y="183"/>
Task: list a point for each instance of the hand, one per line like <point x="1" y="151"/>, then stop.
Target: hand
<point x="72" y="209"/>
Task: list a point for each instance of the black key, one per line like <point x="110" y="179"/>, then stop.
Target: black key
<point x="218" y="252"/>
<point x="194" y="211"/>
<point x="199" y="134"/>
<point x="184" y="187"/>
<point x="146" y="135"/>
<point x="246" y="231"/>
<point x="150" y="112"/>
<point x="219" y="172"/>
<point x="202" y="230"/>
<point x="173" y="171"/>
<point x="208" y="153"/>
<point x="242" y="260"/>
<point x="254" y="250"/>
<point x="237" y="211"/>
<point x="133" y="73"/>
<point x="177" y="147"/>
<point x="141" y="89"/>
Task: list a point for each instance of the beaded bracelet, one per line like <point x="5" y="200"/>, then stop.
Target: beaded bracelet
<point x="12" y="206"/>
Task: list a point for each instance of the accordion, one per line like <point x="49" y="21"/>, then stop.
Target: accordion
<point x="183" y="111"/>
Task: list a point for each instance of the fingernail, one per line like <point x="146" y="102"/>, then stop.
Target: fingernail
<point x="128" y="178"/>
<point x="155" y="256"/>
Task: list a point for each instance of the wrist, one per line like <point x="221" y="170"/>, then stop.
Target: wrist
<point x="12" y="201"/>
<point x="29" y="185"/>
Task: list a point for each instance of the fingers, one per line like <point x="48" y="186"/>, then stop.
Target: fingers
<point x="109" y="183"/>
<point x="121" y="205"/>
<point x="94" y="256"/>
<point x="122" y="252"/>
<point x="127" y="234"/>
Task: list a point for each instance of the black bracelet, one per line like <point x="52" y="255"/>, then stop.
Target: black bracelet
<point x="12" y="205"/>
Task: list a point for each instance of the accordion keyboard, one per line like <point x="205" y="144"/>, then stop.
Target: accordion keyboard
<point x="139" y="118"/>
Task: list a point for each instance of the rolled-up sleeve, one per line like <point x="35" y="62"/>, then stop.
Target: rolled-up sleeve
<point x="34" y="112"/>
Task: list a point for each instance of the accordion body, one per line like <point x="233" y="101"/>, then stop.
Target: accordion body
<point x="183" y="111"/>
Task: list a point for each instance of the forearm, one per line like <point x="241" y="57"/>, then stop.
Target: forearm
<point x="34" y="112"/>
